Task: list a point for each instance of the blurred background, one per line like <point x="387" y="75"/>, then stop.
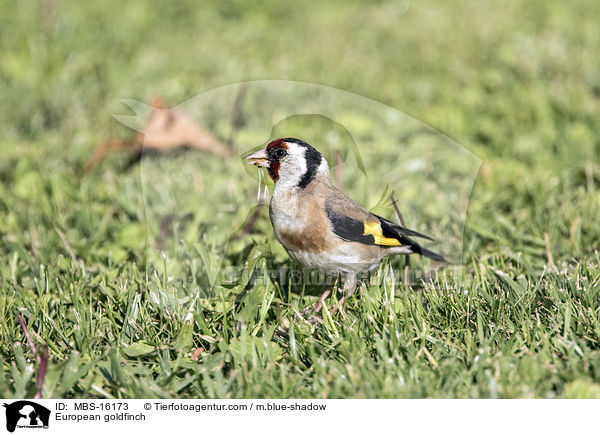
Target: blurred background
<point x="517" y="80"/>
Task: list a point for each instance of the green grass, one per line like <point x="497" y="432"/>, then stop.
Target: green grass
<point x="515" y="84"/>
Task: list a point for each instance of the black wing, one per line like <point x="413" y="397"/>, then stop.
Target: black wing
<point x="377" y="231"/>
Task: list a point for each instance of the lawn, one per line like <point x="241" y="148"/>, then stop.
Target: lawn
<point x="162" y="279"/>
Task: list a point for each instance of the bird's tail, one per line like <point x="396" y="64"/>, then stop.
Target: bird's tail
<point x="417" y="249"/>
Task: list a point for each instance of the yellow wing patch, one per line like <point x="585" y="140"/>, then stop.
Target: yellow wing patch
<point x="374" y="229"/>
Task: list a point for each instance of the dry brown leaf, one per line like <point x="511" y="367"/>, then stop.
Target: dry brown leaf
<point x="166" y="129"/>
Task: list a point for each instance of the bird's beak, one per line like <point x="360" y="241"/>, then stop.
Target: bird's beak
<point x="259" y="158"/>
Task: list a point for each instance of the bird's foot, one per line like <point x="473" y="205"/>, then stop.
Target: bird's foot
<point x="319" y="304"/>
<point x="340" y="303"/>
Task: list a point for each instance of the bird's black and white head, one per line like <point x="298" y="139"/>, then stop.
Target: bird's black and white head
<point x="292" y="163"/>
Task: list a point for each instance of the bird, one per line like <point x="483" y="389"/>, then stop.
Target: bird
<point x="322" y="228"/>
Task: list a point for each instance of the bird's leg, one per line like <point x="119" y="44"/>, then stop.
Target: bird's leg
<point x="326" y="293"/>
<point x="309" y="317"/>
<point x="347" y="290"/>
<point x="340" y="303"/>
<point x="319" y="303"/>
<point x="349" y="285"/>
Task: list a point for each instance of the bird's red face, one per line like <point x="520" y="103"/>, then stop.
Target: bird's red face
<point x="270" y="157"/>
<point x="292" y="163"/>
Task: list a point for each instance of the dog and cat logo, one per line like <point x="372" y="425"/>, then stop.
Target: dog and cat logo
<point x="24" y="414"/>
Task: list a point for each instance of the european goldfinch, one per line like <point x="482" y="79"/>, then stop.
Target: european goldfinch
<point x="318" y="225"/>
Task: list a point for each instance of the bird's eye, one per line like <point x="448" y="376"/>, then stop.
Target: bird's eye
<point x="280" y="153"/>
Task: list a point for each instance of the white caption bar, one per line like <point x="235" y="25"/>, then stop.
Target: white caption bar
<point x="298" y="416"/>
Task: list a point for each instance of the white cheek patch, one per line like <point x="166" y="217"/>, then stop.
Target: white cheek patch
<point x="291" y="168"/>
<point x="323" y="168"/>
